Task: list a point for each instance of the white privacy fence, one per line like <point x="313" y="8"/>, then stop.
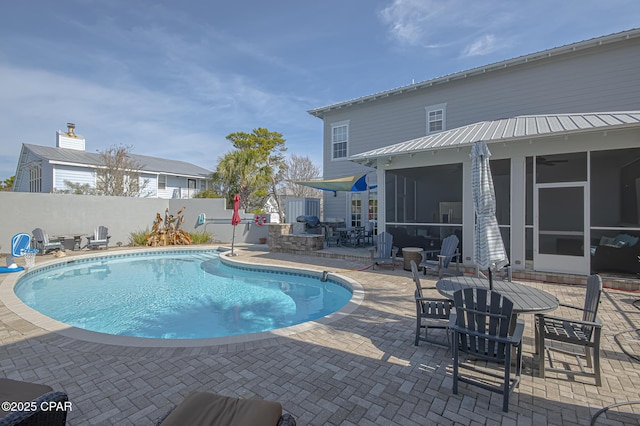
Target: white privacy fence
<point x="67" y="214"/>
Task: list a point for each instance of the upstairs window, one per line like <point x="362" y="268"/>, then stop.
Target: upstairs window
<point x="436" y="118"/>
<point x="339" y="140"/>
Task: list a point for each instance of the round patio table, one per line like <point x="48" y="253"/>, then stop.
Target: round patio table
<point x="526" y="300"/>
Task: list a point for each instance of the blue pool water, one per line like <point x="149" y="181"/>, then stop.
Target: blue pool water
<point x="178" y="295"/>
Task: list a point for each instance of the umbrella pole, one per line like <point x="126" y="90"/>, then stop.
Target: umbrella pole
<point x="490" y="279"/>
<point x="233" y="240"/>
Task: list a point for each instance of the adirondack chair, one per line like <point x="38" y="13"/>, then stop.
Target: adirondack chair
<point x="581" y="335"/>
<point x="448" y="251"/>
<point x="43" y="243"/>
<point x="384" y="253"/>
<point x="481" y="327"/>
<point x="434" y="311"/>
<point x="100" y="238"/>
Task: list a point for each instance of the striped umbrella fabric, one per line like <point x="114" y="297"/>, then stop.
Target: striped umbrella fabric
<point x="489" y="247"/>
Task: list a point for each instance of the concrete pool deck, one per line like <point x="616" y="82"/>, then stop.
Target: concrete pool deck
<point x="362" y="369"/>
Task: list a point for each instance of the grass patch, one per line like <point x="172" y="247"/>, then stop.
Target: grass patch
<point x="138" y="238"/>
<point x="201" y="237"/>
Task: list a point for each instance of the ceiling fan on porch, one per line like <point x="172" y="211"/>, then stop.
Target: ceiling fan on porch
<point x="546" y="162"/>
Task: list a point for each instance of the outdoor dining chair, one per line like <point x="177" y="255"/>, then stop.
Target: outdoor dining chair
<point x="581" y="336"/>
<point x="480" y="326"/>
<point x="431" y="312"/>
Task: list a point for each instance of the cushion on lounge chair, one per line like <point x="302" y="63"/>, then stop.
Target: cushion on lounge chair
<point x="16" y="391"/>
<point x="203" y="408"/>
<point x="36" y="413"/>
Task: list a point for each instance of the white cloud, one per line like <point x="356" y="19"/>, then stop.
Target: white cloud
<point x="409" y="20"/>
<point x="484" y="45"/>
<point x="452" y="24"/>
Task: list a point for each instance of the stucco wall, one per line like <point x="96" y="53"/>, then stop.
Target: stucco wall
<point x="63" y="213"/>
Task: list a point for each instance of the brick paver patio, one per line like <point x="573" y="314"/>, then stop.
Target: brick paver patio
<point x="360" y="370"/>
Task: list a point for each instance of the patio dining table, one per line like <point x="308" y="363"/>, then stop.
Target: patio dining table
<point x="526" y="299"/>
<point x="351" y="237"/>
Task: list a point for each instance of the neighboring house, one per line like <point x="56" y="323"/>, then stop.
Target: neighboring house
<point x="563" y="126"/>
<point x="45" y="169"/>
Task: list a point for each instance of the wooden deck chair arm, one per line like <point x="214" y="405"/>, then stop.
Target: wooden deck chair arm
<point x="564" y="305"/>
<point x="443" y="257"/>
<point x="433" y="299"/>
<point x="595" y="324"/>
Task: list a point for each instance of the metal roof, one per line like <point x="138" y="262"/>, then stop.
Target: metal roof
<point x="569" y="48"/>
<point x="507" y="129"/>
<point x="150" y="164"/>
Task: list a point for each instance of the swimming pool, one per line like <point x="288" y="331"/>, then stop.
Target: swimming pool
<point x="178" y="295"/>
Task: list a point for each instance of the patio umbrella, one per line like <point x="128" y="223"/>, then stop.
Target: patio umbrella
<point x="235" y="219"/>
<point x="489" y="248"/>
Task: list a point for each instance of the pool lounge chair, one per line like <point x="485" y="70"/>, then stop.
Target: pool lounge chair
<point x="43" y="243"/>
<point x="36" y="413"/>
<point x="205" y="408"/>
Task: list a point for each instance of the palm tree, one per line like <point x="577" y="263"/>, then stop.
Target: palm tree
<point x="239" y="172"/>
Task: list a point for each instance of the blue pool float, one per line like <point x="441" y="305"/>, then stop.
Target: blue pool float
<point x="11" y="268"/>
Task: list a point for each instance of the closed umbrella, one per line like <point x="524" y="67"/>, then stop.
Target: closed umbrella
<point x="489" y="247"/>
<point x="235" y="219"/>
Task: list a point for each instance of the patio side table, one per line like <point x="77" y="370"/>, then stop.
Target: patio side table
<point x="409" y="254"/>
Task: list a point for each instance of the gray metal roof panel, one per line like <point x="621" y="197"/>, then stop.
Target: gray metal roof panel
<point x="150" y="164"/>
<point x="522" y="127"/>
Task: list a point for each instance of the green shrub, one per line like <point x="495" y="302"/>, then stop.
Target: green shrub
<point x="139" y="238"/>
<point x="201" y="237"/>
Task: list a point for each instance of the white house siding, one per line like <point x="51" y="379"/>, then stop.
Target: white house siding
<point x="150" y="182"/>
<point x="78" y="175"/>
<point x="596" y="79"/>
<point x="47" y="177"/>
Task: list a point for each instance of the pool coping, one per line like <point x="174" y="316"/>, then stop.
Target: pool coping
<point x="17" y="306"/>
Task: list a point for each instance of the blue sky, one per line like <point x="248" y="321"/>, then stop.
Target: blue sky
<point x="173" y="81"/>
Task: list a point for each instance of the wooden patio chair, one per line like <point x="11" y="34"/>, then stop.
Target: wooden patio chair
<point x="384" y="253"/>
<point x="43" y="243"/>
<point x="579" y="338"/>
<point x="100" y="238"/>
<point x="448" y="252"/>
<point x="431" y="312"/>
<point x="481" y="328"/>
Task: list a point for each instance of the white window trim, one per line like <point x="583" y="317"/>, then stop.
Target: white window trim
<point x="432" y="108"/>
<point x="333" y="126"/>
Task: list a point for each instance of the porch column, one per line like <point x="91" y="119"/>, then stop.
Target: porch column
<point x="518" y="212"/>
